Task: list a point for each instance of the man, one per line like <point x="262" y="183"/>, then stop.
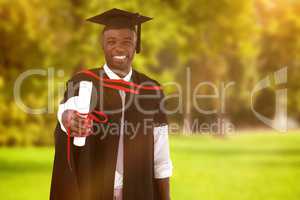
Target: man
<point x="123" y="150"/>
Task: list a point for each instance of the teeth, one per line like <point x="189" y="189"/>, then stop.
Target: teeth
<point x="120" y="57"/>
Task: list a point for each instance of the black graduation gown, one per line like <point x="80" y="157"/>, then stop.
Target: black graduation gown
<point x="93" y="165"/>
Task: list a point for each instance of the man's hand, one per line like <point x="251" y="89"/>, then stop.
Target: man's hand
<point x="79" y="125"/>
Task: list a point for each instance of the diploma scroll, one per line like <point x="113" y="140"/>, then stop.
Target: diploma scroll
<point x="83" y="106"/>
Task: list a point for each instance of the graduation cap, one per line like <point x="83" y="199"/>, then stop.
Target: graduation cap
<point x="116" y="18"/>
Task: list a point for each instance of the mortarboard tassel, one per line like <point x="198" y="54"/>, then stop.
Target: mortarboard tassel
<point x="138" y="41"/>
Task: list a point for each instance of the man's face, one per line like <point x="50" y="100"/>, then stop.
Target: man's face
<point x="119" y="48"/>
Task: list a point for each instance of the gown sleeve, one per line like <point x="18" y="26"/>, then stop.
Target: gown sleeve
<point x="64" y="183"/>
<point x="162" y="161"/>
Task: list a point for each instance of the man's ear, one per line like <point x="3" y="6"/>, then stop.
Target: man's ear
<point x="101" y="39"/>
<point x="102" y="43"/>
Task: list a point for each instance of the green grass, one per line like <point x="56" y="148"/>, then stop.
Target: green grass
<point x="241" y="167"/>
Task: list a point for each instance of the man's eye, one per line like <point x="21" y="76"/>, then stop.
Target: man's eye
<point x="128" y="43"/>
<point x="111" y="42"/>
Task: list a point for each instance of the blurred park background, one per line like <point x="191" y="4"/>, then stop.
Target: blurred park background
<point x="188" y="42"/>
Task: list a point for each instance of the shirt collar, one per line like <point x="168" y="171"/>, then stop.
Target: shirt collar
<point x="113" y="75"/>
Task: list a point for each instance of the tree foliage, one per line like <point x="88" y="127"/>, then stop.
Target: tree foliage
<point x="219" y="40"/>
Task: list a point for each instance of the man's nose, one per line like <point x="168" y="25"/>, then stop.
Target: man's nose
<point x="120" y="48"/>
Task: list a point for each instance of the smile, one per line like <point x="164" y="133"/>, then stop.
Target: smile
<point x="119" y="57"/>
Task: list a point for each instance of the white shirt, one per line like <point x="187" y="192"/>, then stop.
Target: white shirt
<point x="162" y="162"/>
